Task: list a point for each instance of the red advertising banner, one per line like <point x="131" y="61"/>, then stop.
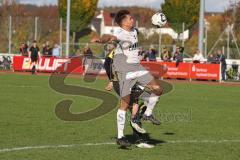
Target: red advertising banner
<point x="205" y="71"/>
<point x="49" y="64"/>
<point x="158" y="69"/>
<point x="201" y="71"/>
<point x="182" y="70"/>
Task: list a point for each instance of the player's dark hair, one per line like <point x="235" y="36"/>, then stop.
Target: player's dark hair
<point x="120" y="16"/>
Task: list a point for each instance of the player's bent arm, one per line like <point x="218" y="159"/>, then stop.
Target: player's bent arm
<point x="105" y="39"/>
<point x="108" y="38"/>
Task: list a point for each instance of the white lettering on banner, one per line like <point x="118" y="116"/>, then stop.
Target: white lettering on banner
<point x="195" y="69"/>
<point x="177" y="73"/>
<point x="59" y="62"/>
<point x="212" y="75"/>
<point x="97" y="66"/>
<point x="26" y="63"/>
<point x="48" y="67"/>
<point x="40" y="65"/>
<point x="206" y="75"/>
<point x="94" y="66"/>
<point x="63" y="61"/>
<point x="201" y="70"/>
<point x="44" y="64"/>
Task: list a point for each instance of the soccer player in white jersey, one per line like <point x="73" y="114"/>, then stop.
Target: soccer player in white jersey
<point x="126" y="64"/>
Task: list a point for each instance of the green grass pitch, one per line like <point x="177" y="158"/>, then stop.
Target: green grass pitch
<point x="200" y="122"/>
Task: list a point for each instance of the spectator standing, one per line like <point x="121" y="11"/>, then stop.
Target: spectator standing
<point x="178" y="55"/>
<point x="222" y="60"/>
<point x="49" y="51"/>
<point x="56" y="51"/>
<point x="44" y="50"/>
<point x="23" y="49"/>
<point x="166" y="55"/>
<point x="152" y="54"/>
<point x="198" y="57"/>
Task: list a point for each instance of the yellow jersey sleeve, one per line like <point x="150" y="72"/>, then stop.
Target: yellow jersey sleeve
<point x="111" y="54"/>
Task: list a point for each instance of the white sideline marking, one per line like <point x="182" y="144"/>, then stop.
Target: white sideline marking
<point x="52" y="146"/>
<point x="204" y="141"/>
<point x="36" y="147"/>
<point x="21" y="86"/>
<point x="4" y="150"/>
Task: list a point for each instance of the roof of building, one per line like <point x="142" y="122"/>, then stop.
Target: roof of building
<point x="109" y="20"/>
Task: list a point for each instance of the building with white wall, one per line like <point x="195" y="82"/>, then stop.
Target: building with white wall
<point x="106" y="25"/>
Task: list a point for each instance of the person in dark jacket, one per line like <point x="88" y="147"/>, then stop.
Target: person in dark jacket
<point x="23" y="49"/>
<point x="34" y="54"/>
<point x="178" y="55"/>
<point x="222" y="60"/>
<point x="152" y="54"/>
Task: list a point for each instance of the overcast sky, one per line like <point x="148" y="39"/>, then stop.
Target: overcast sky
<point x="211" y="5"/>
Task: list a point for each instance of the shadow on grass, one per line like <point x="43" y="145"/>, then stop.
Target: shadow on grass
<point x="169" y="133"/>
<point x="146" y="137"/>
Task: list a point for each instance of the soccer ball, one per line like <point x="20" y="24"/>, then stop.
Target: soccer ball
<point x="159" y="19"/>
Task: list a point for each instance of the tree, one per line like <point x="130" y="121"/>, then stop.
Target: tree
<point x="181" y="11"/>
<point x="237" y="22"/>
<point x="82" y="12"/>
<point x="216" y="26"/>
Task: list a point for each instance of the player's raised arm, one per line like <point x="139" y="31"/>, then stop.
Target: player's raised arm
<point x="106" y="38"/>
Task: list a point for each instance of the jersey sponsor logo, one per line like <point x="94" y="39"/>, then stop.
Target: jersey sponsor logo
<point x="133" y="47"/>
<point x="127" y="45"/>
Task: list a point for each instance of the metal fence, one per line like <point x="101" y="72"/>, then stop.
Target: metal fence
<point x="17" y="30"/>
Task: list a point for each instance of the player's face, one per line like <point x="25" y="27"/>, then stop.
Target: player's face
<point x="128" y="21"/>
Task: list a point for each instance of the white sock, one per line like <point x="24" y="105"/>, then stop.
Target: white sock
<point x="121" y="122"/>
<point x="153" y="99"/>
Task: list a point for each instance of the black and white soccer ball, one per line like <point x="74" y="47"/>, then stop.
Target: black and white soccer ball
<point x="159" y="19"/>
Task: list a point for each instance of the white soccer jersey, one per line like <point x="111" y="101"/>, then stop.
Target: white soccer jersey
<point x="128" y="45"/>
